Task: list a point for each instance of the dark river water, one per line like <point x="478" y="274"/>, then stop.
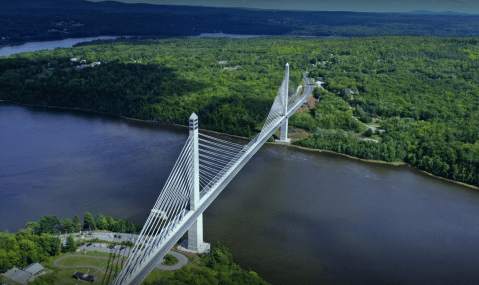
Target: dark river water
<point x="293" y="216"/>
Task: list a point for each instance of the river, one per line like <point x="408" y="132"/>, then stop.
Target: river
<point x="294" y="216"/>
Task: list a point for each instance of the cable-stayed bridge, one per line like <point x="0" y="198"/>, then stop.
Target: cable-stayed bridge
<point x="204" y="167"/>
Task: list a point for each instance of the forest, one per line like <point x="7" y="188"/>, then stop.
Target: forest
<point x="42" y="20"/>
<point x="421" y="91"/>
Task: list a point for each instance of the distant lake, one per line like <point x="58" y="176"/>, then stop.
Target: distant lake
<point x="34" y="46"/>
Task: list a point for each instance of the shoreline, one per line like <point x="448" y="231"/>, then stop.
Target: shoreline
<point x="398" y="163"/>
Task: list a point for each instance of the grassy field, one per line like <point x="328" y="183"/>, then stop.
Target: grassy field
<point x="65" y="275"/>
<point x="76" y="260"/>
<point x="102" y="254"/>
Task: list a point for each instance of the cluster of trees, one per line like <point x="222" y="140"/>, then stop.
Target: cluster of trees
<point x="23" y="248"/>
<point x="216" y="267"/>
<point x="27" y="20"/>
<point x="331" y="112"/>
<point x="100" y="222"/>
<point x="424" y="90"/>
<point x="51" y="224"/>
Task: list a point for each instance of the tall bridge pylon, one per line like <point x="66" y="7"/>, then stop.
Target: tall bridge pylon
<point x="203" y="169"/>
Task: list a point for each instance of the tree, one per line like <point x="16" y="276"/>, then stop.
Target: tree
<point x="111" y="223"/>
<point x="99" y="218"/>
<point x="33" y="227"/>
<point x="99" y="221"/>
<point x="48" y="224"/>
<point x="71" y="245"/>
<point x="67" y="225"/>
<point x="368" y="132"/>
<point x="76" y="223"/>
<point x="50" y="244"/>
<point x="88" y="222"/>
<point x="120" y="226"/>
<point x="129" y="227"/>
<point x="103" y="225"/>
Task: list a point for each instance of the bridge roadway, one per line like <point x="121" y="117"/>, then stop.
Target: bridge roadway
<point x="190" y="216"/>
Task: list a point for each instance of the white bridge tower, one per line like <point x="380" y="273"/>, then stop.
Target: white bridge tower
<point x="283" y="132"/>
<point x="195" y="243"/>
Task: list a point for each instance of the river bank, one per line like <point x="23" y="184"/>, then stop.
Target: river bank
<point x="397" y="163"/>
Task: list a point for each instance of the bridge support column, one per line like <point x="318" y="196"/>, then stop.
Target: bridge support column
<point x="283" y="130"/>
<point x="283" y="133"/>
<point x="195" y="243"/>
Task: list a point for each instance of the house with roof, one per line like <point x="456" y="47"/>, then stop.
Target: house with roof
<point x="25" y="275"/>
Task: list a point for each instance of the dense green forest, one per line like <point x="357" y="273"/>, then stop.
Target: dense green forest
<point x="40" y="20"/>
<point x="422" y="91"/>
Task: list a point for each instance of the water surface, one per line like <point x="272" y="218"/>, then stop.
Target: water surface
<point x="293" y="216"/>
<point x="34" y="46"/>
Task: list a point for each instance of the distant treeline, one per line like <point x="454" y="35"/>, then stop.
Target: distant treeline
<point x="40" y="20"/>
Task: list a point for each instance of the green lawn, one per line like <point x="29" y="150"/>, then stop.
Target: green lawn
<point x="91" y="261"/>
<point x="103" y="254"/>
<point x="76" y="260"/>
<point x="65" y="276"/>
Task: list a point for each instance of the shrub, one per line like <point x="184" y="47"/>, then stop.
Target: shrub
<point x="170" y="260"/>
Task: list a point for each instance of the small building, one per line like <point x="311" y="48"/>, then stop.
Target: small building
<point x="223" y="61"/>
<point x="28" y="274"/>
<point x="95" y="64"/>
<point x="83" y="61"/>
<point x="36" y="269"/>
<point x="74" y="59"/>
<point x="320" y="79"/>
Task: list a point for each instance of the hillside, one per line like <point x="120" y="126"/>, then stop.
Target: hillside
<point x="41" y="20"/>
